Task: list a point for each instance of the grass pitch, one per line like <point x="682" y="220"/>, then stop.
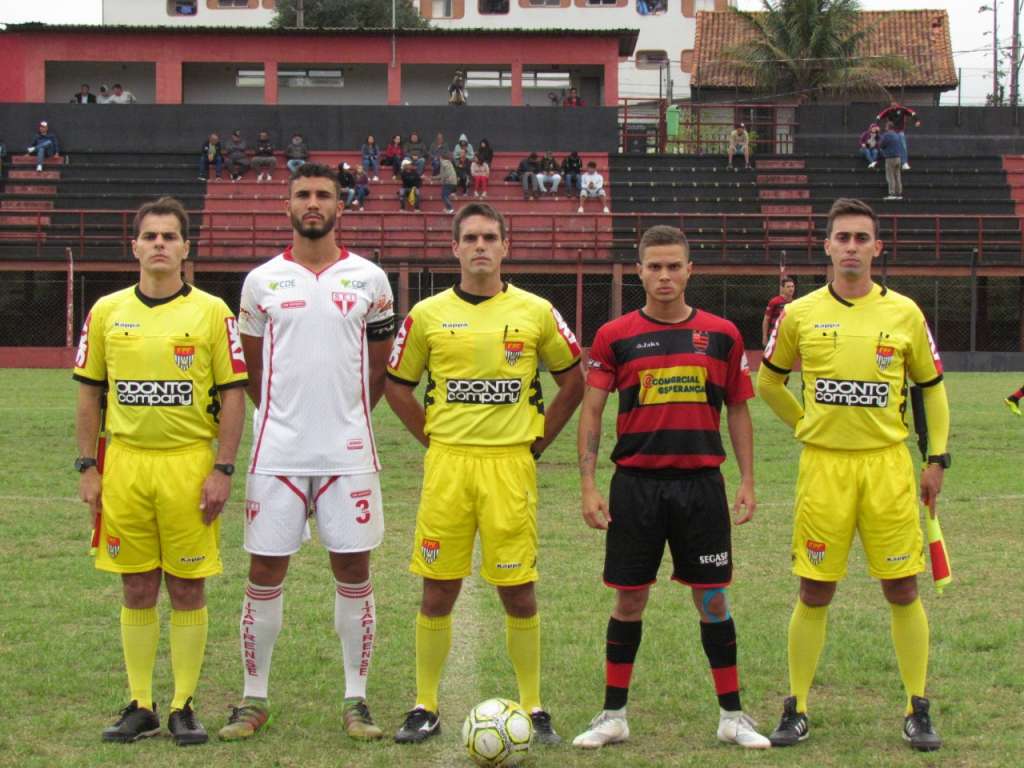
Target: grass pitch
<point x="62" y="678"/>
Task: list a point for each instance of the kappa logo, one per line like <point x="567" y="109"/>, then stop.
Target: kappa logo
<point x="513" y="351"/>
<point x="345" y="301"/>
<point x="897" y="558"/>
<point x="252" y="510"/>
<point x="700" y="342"/>
<point x="398" y="348"/>
<point x="82" y="354"/>
<point x="816" y="551"/>
<point x="113" y="545"/>
<point x="235" y="345"/>
<point x="454" y="326"/>
<point x="430" y="549"/>
<point x="184" y="357"/>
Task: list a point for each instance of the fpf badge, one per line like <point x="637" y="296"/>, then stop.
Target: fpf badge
<point x="184" y="357"/>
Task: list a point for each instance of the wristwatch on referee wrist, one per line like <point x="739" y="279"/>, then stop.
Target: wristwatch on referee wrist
<point x="942" y="459"/>
<point x="225" y="469"/>
<point x="83" y="463"/>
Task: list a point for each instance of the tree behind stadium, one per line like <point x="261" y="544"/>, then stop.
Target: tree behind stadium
<point x="349" y="13"/>
<point x="811" y="49"/>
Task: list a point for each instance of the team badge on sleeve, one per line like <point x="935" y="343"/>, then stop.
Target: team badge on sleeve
<point x="815" y="552"/>
<point x="113" y="545"/>
<point x="184" y="357"/>
<point x="430" y="549"/>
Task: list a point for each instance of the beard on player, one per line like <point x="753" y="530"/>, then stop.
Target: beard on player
<point x="312" y="229"/>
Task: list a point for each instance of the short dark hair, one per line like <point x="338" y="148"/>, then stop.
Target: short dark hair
<point x="478" y="209"/>
<point x="662" y="234"/>
<point x="165" y="206"/>
<point x="314" y="171"/>
<point x="848" y="206"/>
<point x="787" y="279"/>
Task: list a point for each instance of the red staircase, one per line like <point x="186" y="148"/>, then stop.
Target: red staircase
<point x="30" y="212"/>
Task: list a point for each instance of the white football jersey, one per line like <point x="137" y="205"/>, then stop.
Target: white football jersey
<point x="314" y="414"/>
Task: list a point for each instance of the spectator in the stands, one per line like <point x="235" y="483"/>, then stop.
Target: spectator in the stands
<point x="371" y="157"/>
<point x="457" y="95"/>
<point x="898" y="114"/>
<point x="84" y="96"/>
<point x="211" y="155"/>
<point x="481" y="173"/>
<point x="572" y="167"/>
<point x="103" y="97"/>
<point x="548" y="175"/>
<point x="347" y="183"/>
<point x="448" y="179"/>
<point x="44" y="145"/>
<point x="462" y="147"/>
<point x="236" y="152"/>
<point x="296" y="153"/>
<point x="120" y="96"/>
<point x="485" y="152"/>
<point x="739" y="144"/>
<point x="528" y="169"/>
<point x="869" y="144"/>
<point x="416" y="151"/>
<point x="362" y="187"/>
<point x="892" y="152"/>
<point x="437" y="149"/>
<point x="263" y="160"/>
<point x="394" y="154"/>
<point x="592" y="184"/>
<point x="411" y="182"/>
<point x="573" y="99"/>
<point x="463" y="173"/>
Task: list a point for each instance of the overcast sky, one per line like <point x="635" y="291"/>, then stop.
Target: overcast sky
<point x="967" y="24"/>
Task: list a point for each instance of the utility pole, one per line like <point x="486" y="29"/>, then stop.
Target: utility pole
<point x="1015" y="55"/>
<point x="995" y="52"/>
<point x="300" y="14"/>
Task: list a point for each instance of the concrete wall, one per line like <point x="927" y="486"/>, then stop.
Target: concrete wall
<point x="158" y="128"/>
<point x="215" y="83"/>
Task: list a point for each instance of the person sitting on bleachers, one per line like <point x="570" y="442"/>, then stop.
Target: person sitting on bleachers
<point x="411" y="182"/>
<point x="869" y="144"/>
<point x="485" y="152"/>
<point x="437" y="149"/>
<point x="573" y="99"/>
<point x="347" y="183"/>
<point x="44" y="145"/>
<point x="264" y="160"/>
<point x="83" y="96"/>
<point x="371" y="157"/>
<point x="394" y="154"/>
<point x="462" y="147"/>
<point x="448" y="179"/>
<point x="237" y="153"/>
<point x="739" y="144"/>
<point x="592" y="186"/>
<point x="296" y="152"/>
<point x="548" y="175"/>
<point x="120" y="96"/>
<point x="362" y="187"/>
<point x="416" y="151"/>
<point x="463" y="173"/>
<point x="481" y="173"/>
<point x="211" y="155"/>
<point x="572" y="167"/>
<point x="527" y="171"/>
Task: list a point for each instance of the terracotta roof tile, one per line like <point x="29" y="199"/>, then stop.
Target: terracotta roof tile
<point x="922" y="37"/>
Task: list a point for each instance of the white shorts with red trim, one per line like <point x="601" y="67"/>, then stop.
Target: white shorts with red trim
<point x="348" y="510"/>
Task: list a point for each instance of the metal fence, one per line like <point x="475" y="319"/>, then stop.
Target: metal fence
<point x="979" y="313"/>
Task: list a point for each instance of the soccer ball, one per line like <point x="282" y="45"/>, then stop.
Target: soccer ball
<point x="497" y="732"/>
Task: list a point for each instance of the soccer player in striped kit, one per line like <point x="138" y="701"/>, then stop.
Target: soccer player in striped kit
<point x="674" y="367"/>
<point x="316" y="322"/>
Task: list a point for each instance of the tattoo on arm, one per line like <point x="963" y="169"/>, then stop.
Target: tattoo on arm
<point x="588" y="459"/>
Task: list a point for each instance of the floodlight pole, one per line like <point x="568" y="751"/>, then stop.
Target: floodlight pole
<point x="995" y="52"/>
<point x="1015" y="55"/>
<point x="300" y="14"/>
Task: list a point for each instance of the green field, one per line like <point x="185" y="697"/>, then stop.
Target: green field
<point x="62" y="679"/>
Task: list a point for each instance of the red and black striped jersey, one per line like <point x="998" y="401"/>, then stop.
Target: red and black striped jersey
<point x="672" y="380"/>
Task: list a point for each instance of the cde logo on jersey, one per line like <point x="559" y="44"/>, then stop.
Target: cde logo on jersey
<point x="868" y="394"/>
<point x="134" y="392"/>
<point x="484" y="391"/>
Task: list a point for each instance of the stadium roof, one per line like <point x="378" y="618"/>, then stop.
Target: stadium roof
<point x="627" y="37"/>
<point x="921" y="37"/>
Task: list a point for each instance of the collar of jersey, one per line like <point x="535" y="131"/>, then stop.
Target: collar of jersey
<point x="866" y="297"/>
<point x="150" y="302"/>
<point x="684" y="321"/>
<point x="342" y="255"/>
<point x="472" y="298"/>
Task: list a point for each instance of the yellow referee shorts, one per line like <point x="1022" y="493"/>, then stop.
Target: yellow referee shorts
<point x="871" y="492"/>
<point x="151" y="517"/>
<point x="471" y="488"/>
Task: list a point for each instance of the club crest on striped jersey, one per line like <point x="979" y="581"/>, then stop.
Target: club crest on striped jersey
<point x="676" y="384"/>
<point x="113" y="545"/>
<point x="252" y="509"/>
<point x="700" y="341"/>
<point x="816" y="551"/>
<point x="430" y="549"/>
<point x="184" y="356"/>
<point x="513" y="351"/>
<point x="345" y="301"/>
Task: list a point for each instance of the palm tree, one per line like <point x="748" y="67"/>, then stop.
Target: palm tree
<point x="810" y="49"/>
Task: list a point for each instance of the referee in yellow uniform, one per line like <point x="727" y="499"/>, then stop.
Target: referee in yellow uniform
<point x="168" y="359"/>
<point x="858" y="343"/>
<point x="480" y="344"/>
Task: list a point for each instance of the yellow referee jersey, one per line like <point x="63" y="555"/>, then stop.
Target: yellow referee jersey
<point x="163" y="361"/>
<point x="856" y="357"/>
<point x="481" y="356"/>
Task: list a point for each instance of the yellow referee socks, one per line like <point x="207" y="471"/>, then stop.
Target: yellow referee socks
<point x="433" y="641"/>
<point x="188" y="646"/>
<point x="806" y="639"/>
<point x="910" y="639"/>
<point x="523" y="639"/>
<point x="140" y="633"/>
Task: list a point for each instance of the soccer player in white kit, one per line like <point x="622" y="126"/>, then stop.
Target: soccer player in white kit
<point x="316" y="323"/>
